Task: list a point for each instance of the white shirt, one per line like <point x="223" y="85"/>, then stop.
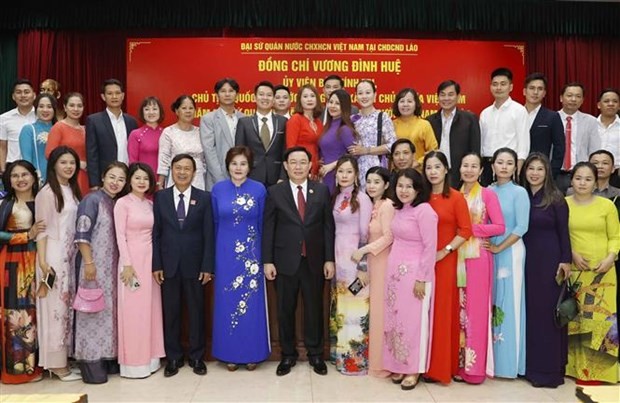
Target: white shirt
<point x="610" y="138"/>
<point x="446" y="125"/>
<point x="505" y="126"/>
<point x="11" y="124"/>
<point x="531" y="116"/>
<point x="269" y="122"/>
<point x="120" y="132"/>
<point x="231" y="121"/>
<point x="187" y="197"/>
<point x="304" y="189"/>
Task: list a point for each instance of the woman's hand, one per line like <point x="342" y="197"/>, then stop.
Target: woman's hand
<point x="127" y="275"/>
<point x="364" y="277"/>
<point x="36" y="229"/>
<point x="564" y="270"/>
<point x="419" y="289"/>
<point x="491" y="247"/>
<point x="605" y="264"/>
<point x="357" y="255"/>
<point x="580" y="262"/>
<point x="83" y="165"/>
<point x="45" y="268"/>
<point x="90" y="271"/>
<point x="357" y="150"/>
<point x="440" y="255"/>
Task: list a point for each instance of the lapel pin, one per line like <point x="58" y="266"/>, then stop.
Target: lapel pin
<point x="192" y="202"/>
<point x="310" y="191"/>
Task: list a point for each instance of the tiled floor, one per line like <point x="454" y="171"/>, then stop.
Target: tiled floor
<point x="301" y="385"/>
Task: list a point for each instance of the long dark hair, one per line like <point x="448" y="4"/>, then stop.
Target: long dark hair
<point x="550" y="192"/>
<point x="141" y="166"/>
<point x="52" y="178"/>
<point x="6" y="178"/>
<point x="512" y="153"/>
<point x="420" y="185"/>
<point x="444" y="161"/>
<point x="356" y="187"/>
<point x="385" y="176"/>
<point x="345" y="113"/>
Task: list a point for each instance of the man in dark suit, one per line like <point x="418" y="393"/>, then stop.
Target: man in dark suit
<point x="298" y="252"/>
<point x="183" y="261"/>
<point x="457" y="131"/>
<point x="546" y="130"/>
<point x="107" y="132"/>
<point x="265" y="134"/>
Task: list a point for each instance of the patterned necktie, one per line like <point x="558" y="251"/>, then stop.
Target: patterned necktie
<point x="567" y="155"/>
<point x="301" y="207"/>
<point x="264" y="133"/>
<point x="181" y="210"/>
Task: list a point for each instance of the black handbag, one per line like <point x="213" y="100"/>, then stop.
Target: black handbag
<point x="567" y="307"/>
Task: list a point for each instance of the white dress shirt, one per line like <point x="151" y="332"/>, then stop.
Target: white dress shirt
<point x="610" y="138"/>
<point x="120" y="132"/>
<point x="231" y="121"/>
<point x="505" y="126"/>
<point x="446" y="125"/>
<point x="269" y="122"/>
<point x="531" y="116"/>
<point x="304" y="189"/>
<point x="187" y="196"/>
<point x="11" y="124"/>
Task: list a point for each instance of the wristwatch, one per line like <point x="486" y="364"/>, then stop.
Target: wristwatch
<point x="449" y="248"/>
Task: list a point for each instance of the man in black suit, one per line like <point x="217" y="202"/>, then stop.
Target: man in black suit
<point x="457" y="131"/>
<point x="265" y="134"/>
<point x="298" y="252"/>
<point x="183" y="261"/>
<point x="546" y="130"/>
<point x="107" y="132"/>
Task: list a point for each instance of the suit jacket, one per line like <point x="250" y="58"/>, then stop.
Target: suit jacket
<point x="464" y="138"/>
<point x="267" y="167"/>
<point x="284" y="231"/>
<point x="547" y="137"/>
<point x="588" y="139"/>
<point x="216" y="140"/>
<point x="101" y="148"/>
<point x="189" y="249"/>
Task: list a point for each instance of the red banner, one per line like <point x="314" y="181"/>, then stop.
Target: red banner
<point x="169" y="67"/>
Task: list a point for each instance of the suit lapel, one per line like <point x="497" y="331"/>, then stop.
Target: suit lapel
<point x="275" y="130"/>
<point x="288" y="195"/>
<point x="220" y="119"/>
<point x="170" y="206"/>
<point x="191" y="204"/>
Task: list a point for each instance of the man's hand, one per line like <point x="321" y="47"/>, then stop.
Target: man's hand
<point x="270" y="271"/>
<point x="329" y="270"/>
<point x="204" y="277"/>
<point x="158" y="275"/>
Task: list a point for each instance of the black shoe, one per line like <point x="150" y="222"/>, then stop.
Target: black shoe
<point x="199" y="367"/>
<point x="284" y="367"/>
<point x="318" y="365"/>
<point x="172" y="368"/>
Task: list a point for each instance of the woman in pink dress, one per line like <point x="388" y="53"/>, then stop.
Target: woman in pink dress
<point x="409" y="282"/>
<point x="377" y="251"/>
<point x="143" y="142"/>
<point x="476" y="263"/>
<point x="140" y="323"/>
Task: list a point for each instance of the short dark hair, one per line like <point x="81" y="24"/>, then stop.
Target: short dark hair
<point x="607" y="153"/>
<point x="417" y="111"/>
<point x="111" y="81"/>
<point x="399" y="142"/>
<point x="183" y="156"/>
<point x="22" y="81"/>
<point x="6" y="178"/>
<point x="52" y="100"/>
<point x="533" y="77"/>
<point x="334" y="77"/>
<point x="295" y="149"/>
<point x="502" y="71"/>
<point x="606" y="90"/>
<point x="444" y="161"/>
<point x="151" y="101"/>
<point x="385" y="176"/>
<point x="141" y="166"/>
<point x="281" y="87"/>
<point x="445" y="84"/>
<point x="264" y="83"/>
<point x="586" y="164"/>
<point x="240" y="150"/>
<point x="177" y="102"/>
<point x="230" y="81"/>
<point x="367" y="81"/>
<point x="420" y="185"/>
<point x="572" y="84"/>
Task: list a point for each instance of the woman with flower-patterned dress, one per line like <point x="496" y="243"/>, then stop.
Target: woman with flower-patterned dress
<point x="240" y="325"/>
<point x="349" y="312"/>
<point x="33" y="137"/>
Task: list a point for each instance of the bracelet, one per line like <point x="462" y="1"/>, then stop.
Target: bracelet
<point x="87" y="263"/>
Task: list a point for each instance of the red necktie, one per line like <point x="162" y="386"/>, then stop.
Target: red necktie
<point x="567" y="154"/>
<point x="301" y="207"/>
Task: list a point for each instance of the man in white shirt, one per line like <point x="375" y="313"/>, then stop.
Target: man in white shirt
<point x="282" y="101"/>
<point x="609" y="128"/>
<point x="11" y="122"/>
<point x="502" y="124"/>
<point x="580" y="132"/>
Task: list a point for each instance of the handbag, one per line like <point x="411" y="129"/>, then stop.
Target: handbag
<point x="567" y="307"/>
<point x="380" y="138"/>
<point x="89" y="300"/>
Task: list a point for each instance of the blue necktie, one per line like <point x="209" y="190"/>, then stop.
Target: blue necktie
<point x="181" y="210"/>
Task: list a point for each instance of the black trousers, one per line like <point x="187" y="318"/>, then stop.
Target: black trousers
<point x="562" y="181"/>
<point x="487" y="174"/>
<point x="173" y="290"/>
<point x="287" y="288"/>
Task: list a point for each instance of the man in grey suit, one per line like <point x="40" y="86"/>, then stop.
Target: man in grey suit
<point x="217" y="130"/>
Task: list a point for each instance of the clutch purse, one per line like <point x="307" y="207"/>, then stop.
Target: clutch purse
<point x="567" y="307"/>
<point x="89" y="300"/>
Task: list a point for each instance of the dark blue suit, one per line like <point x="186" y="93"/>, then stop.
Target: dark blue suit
<point x="547" y="137"/>
<point x="101" y="148"/>
<point x="182" y="254"/>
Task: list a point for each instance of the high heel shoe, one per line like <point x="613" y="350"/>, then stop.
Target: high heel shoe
<point x="408" y="383"/>
<point x="67" y="376"/>
<point x="251" y="366"/>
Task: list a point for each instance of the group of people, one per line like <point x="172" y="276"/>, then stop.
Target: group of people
<point x="433" y="274"/>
